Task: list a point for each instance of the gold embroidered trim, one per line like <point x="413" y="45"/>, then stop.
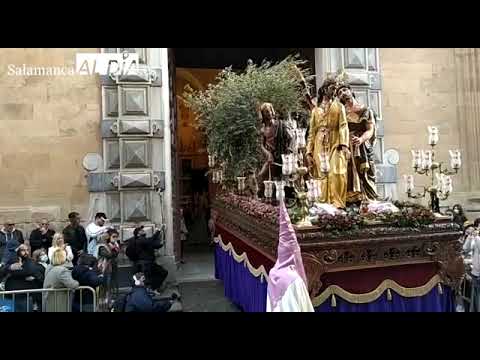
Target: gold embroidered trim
<point x="243" y="258"/>
<point x="332" y="291"/>
<point x="366" y="298"/>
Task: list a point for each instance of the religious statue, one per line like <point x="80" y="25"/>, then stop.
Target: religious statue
<point x="277" y="139"/>
<point x="361" y="186"/>
<point x="328" y="146"/>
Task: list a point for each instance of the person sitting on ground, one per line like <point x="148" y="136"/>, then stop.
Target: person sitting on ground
<point x="24" y="274"/>
<point x="59" y="243"/>
<point x="140" y="300"/>
<point x="96" y="229"/>
<point x="58" y="276"/>
<point x="86" y="273"/>
<point x="74" y="235"/>
<point x="41" y="238"/>
<point x="144" y="248"/>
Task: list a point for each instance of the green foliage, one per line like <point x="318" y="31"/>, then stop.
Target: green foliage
<point x="228" y="109"/>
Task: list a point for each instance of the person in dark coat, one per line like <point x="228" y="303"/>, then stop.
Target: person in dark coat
<point x="74" y="235"/>
<point x="41" y="238"/>
<point x="12" y="236"/>
<point x="145" y="260"/>
<point x="24" y="274"/>
<point x="87" y="275"/>
<point x="40" y="260"/>
<point x="459" y="216"/>
<point x="140" y="300"/>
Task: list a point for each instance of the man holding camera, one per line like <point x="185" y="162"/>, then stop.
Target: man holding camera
<point x="141" y="251"/>
<point x="96" y="229"/>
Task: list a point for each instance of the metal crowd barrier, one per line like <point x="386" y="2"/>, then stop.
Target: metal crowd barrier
<point x="466" y="292"/>
<point x="12" y="295"/>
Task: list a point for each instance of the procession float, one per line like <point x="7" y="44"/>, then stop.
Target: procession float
<point x="271" y="141"/>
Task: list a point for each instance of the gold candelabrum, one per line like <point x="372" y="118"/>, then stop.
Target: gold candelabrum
<point x="425" y="163"/>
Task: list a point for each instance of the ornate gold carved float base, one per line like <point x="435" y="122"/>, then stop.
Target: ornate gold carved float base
<point x="372" y="247"/>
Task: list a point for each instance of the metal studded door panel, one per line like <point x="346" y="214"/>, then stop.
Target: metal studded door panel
<point x="132" y="133"/>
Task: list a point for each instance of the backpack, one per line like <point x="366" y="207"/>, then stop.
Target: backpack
<point x="121" y="302"/>
<point x="131" y="250"/>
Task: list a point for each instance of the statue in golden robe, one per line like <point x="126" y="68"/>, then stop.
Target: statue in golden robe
<point x="328" y="146"/>
<point x="361" y="185"/>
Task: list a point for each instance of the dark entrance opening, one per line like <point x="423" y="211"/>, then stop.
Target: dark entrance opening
<point x="219" y="58"/>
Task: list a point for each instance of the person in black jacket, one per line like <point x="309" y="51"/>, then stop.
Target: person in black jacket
<point x="10" y="240"/>
<point x="87" y="275"/>
<point x="24" y="274"/>
<point x="41" y="238"/>
<point x="145" y="257"/>
<point x="459" y="216"/>
<point x="74" y="235"/>
<point x="140" y="300"/>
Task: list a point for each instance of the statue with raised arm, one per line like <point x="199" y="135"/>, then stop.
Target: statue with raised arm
<point x="276" y="140"/>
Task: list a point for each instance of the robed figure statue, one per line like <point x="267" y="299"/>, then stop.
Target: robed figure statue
<point x="361" y="170"/>
<point x="328" y="146"/>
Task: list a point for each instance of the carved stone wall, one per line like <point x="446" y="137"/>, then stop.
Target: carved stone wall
<point x="441" y="87"/>
<point x="47" y="125"/>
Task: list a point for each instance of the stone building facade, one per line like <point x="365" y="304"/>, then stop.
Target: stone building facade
<point x="47" y="125"/>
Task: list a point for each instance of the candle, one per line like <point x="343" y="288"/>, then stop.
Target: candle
<point x="292" y="122"/>
<point x="455" y="159"/>
<point x="301" y="141"/>
<point x="427" y="159"/>
<point x="311" y="190"/>
<point x="288" y="166"/>
<point x="280" y="190"/>
<point x="285" y="164"/>
<point x="409" y="183"/>
<point x="324" y="163"/>
<point x="211" y="161"/>
<point x="433" y="136"/>
<point x="241" y="184"/>
<point x="417" y="159"/>
<point x="268" y="189"/>
<point x="220" y="176"/>
<point x="447" y="185"/>
<point x="294" y="163"/>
